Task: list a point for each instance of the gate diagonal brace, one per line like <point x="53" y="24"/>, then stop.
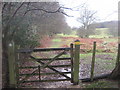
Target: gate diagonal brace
<point x="27" y="76"/>
<point x="53" y="59"/>
<point x="46" y="65"/>
<point x="52" y="68"/>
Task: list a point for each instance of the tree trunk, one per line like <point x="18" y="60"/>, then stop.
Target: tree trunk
<point x="116" y="73"/>
<point x="5" y="41"/>
<point x="5" y="71"/>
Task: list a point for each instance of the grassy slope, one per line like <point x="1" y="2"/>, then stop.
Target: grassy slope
<point x="101" y="33"/>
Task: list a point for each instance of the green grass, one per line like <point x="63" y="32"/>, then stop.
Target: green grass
<point x="101" y="33"/>
<point x="55" y="45"/>
<point x="73" y="34"/>
<point x="102" y="28"/>
<point x="107" y="64"/>
<point x="108" y="40"/>
<point x="101" y="62"/>
<point x="83" y="56"/>
<point x="62" y="35"/>
<point x="99" y="36"/>
<point x="56" y="40"/>
<point x="101" y="84"/>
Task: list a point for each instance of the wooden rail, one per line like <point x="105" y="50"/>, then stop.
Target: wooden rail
<point x="44" y="73"/>
<point x="53" y="80"/>
<point x="32" y="67"/>
<point x="46" y="59"/>
<point x="41" y="50"/>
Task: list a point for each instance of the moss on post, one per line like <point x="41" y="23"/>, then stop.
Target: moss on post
<point x="11" y="60"/>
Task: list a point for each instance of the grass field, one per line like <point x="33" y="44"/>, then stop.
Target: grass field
<point x="101" y="33"/>
<point x="73" y="34"/>
<point x="106" y="50"/>
<point x="105" y="59"/>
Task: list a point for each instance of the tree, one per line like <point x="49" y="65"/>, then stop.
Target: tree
<point x="18" y="21"/>
<point x="116" y="72"/>
<point x="87" y="18"/>
<point x="51" y="20"/>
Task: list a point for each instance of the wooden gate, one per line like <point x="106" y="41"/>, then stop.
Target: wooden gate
<point x="42" y="63"/>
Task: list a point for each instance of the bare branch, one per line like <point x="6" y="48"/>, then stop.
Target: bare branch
<point x="5" y="29"/>
<point x="42" y="10"/>
<point x="67" y="8"/>
<point x="58" y="10"/>
<point x="4" y="4"/>
<point x="15" y="12"/>
<point x="66" y="14"/>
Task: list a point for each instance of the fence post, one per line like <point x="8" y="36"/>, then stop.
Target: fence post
<point x="11" y="61"/>
<point x="17" y="65"/>
<point x="76" y="63"/>
<point x="93" y="61"/>
<point x="118" y="55"/>
<point x="72" y="56"/>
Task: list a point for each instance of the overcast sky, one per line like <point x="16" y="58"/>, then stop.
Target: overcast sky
<point x="107" y="10"/>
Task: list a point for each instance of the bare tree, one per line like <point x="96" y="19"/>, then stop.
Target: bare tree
<point x="87" y="18"/>
<point x="18" y="19"/>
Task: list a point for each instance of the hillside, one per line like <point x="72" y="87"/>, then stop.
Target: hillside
<point x="107" y="24"/>
<point x="106" y="29"/>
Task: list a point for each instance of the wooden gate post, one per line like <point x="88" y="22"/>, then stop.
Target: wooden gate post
<point x="93" y="61"/>
<point x="11" y="61"/>
<point x="76" y="63"/>
<point x="118" y="55"/>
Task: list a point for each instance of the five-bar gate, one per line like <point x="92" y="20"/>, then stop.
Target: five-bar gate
<point x="45" y="64"/>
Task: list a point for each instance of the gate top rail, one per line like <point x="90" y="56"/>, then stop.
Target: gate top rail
<point x="40" y="49"/>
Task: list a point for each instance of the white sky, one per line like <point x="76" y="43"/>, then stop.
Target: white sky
<point x="107" y="10"/>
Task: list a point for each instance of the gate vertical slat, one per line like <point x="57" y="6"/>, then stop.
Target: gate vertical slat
<point x="72" y="55"/>
<point x="39" y="72"/>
